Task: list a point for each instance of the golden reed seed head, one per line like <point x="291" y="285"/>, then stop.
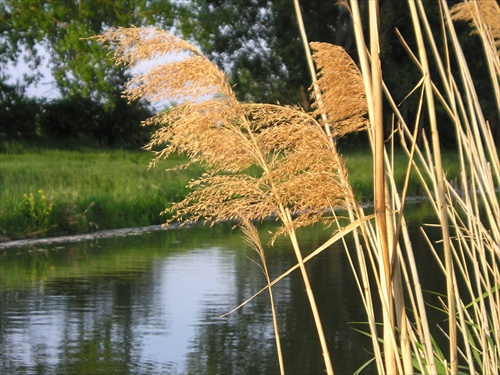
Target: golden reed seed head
<point x="294" y="165"/>
<point x="134" y="45"/>
<point x="342" y="90"/>
<point x="481" y="14"/>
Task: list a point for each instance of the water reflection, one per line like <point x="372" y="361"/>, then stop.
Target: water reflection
<point x="150" y="304"/>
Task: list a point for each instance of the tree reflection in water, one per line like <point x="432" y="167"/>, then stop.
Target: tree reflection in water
<point x="150" y="304"/>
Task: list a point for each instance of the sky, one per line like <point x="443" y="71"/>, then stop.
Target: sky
<point x="45" y="88"/>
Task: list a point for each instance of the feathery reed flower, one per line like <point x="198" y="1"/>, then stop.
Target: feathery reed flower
<point x="342" y="89"/>
<point x="298" y="169"/>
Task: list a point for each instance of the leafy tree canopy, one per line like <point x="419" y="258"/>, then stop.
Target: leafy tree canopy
<point x="256" y="42"/>
<point x="79" y="66"/>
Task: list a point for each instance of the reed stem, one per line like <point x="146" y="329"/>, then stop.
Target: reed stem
<point x="253" y="239"/>
<point x="287" y="218"/>
<point x="312" y="71"/>
<point x="441" y="190"/>
<point x="380" y="188"/>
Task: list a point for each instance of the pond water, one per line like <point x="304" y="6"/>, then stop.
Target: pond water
<point x="151" y="304"/>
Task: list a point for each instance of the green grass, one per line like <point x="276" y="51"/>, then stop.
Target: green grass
<point x="84" y="191"/>
<point x="360" y="166"/>
<point x="49" y="192"/>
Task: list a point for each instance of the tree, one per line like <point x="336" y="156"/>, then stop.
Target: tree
<point x="257" y="42"/>
<point x="90" y="106"/>
<point x="79" y="66"/>
<point x="77" y="118"/>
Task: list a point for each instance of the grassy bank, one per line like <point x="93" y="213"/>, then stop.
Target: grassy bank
<point x="50" y="192"/>
<point x="53" y="192"/>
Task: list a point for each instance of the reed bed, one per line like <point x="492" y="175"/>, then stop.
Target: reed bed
<point x="469" y="250"/>
<point x="302" y="179"/>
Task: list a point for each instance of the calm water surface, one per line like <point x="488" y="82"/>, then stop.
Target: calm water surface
<point x="151" y="304"/>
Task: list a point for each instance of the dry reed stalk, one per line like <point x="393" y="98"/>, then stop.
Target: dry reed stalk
<point x="480" y="187"/>
<point x="365" y="73"/>
<point x="380" y="189"/>
<point x="252" y="237"/>
<point x="344" y="106"/>
<point x="381" y="247"/>
<point x="477" y="125"/>
<point x="474" y="243"/>
<point x="312" y="71"/>
<point x="408" y="336"/>
<point x="485" y="188"/>
<point x="440" y="188"/>
<point x="422" y="338"/>
<point x="369" y="233"/>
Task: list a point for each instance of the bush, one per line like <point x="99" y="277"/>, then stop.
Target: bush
<point x="71" y="118"/>
<point x="19" y="115"/>
<point x="77" y="118"/>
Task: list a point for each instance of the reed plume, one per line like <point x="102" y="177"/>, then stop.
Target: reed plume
<point x="261" y="160"/>
<point x="342" y="90"/>
<point x="296" y="166"/>
<point x="482" y="15"/>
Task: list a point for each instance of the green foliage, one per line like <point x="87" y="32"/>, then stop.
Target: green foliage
<point x="80" y="118"/>
<point x="36" y="210"/>
<point x="79" y="66"/>
<point x="89" y="189"/>
<point x="71" y="118"/>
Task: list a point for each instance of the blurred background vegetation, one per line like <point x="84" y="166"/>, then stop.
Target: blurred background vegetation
<point x="256" y="42"/>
